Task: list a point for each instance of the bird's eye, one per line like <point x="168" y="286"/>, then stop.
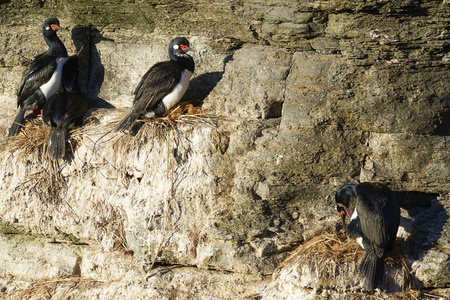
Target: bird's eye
<point x="47" y="28"/>
<point x="176" y="46"/>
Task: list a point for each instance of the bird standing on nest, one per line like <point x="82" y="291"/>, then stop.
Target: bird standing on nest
<point x="163" y="86"/>
<point x="64" y="109"/>
<point x="43" y="78"/>
<point x="373" y="223"/>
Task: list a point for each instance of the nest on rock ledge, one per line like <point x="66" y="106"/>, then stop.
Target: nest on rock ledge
<point x="32" y="138"/>
<point x="325" y="251"/>
<point x="159" y="128"/>
<point x="326" y="246"/>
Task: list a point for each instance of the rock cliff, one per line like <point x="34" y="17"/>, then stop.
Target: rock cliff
<point x="297" y="98"/>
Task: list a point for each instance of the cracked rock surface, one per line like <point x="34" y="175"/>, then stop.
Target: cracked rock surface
<point x="298" y="98"/>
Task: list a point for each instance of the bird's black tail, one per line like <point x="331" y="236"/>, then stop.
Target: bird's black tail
<point x="127" y="122"/>
<point x="56" y="143"/>
<point x="371" y="271"/>
<point x="17" y="123"/>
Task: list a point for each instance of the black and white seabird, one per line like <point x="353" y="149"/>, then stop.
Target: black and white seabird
<point x="163" y="86"/>
<point x="43" y="78"/>
<point x="373" y="223"/>
<point x="63" y="109"/>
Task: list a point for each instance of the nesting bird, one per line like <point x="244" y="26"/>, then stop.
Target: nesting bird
<point x="64" y="109"/>
<point x="374" y="216"/>
<point x="163" y="86"/>
<point x="43" y="77"/>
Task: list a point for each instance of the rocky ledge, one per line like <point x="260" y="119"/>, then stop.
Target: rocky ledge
<point x="234" y="199"/>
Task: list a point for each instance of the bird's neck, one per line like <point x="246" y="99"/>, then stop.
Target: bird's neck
<point x="186" y="60"/>
<point x="55" y="46"/>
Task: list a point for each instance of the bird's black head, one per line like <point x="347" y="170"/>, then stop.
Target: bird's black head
<point x="178" y="47"/>
<point x="345" y="203"/>
<point x="51" y="26"/>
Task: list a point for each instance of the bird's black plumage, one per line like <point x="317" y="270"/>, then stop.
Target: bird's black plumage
<point x="64" y="109"/>
<point x="42" y="78"/>
<point x="163" y="85"/>
<point x="374" y="218"/>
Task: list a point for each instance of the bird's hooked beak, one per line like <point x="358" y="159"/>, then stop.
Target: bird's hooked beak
<point x="185" y="48"/>
<point x="344" y="214"/>
<point x="56" y="27"/>
<point x="342" y="218"/>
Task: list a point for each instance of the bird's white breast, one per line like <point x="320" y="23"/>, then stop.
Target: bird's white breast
<point x="52" y="86"/>
<point x="177" y="93"/>
<point x="358" y="239"/>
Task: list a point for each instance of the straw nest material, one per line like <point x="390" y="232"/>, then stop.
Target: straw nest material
<point x="46" y="288"/>
<point x="338" y="247"/>
<point x="323" y="252"/>
<point x="159" y="128"/>
<point x="32" y="138"/>
<point x="326" y="247"/>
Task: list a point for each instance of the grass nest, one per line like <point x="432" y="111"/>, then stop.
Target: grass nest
<point x="322" y="252"/>
<point x="159" y="128"/>
<point x="325" y="247"/>
<point x="33" y="136"/>
<point x="338" y="247"/>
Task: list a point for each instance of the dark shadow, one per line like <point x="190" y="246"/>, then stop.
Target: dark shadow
<point x="427" y="220"/>
<point x="201" y="86"/>
<point x="92" y="72"/>
<point x="442" y="123"/>
<point x="4" y="1"/>
<point x="424" y="221"/>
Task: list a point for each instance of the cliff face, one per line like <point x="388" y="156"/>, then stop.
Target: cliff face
<point x="298" y="98"/>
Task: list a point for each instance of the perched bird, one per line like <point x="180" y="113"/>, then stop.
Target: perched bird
<point x="64" y="109"/>
<point x="43" y="78"/>
<point x="373" y="223"/>
<point x="163" y="85"/>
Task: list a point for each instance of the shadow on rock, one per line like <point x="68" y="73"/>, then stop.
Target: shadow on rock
<point x="92" y="72"/>
<point x="423" y="219"/>
<point x="424" y="222"/>
<point x="442" y="123"/>
<point x="201" y="86"/>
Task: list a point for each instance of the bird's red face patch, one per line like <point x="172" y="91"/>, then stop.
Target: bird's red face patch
<point x="54" y="27"/>
<point x="343" y="210"/>
<point x="184" y="48"/>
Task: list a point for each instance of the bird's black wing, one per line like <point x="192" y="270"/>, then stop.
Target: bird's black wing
<point x="40" y="71"/>
<point x="61" y="109"/>
<point x="159" y="81"/>
<point x="374" y="202"/>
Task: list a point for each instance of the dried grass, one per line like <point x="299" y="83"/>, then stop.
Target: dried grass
<point x="323" y="252"/>
<point x="146" y="130"/>
<point x="338" y="248"/>
<point x="46" y="288"/>
<point x="326" y="246"/>
<point x="32" y="138"/>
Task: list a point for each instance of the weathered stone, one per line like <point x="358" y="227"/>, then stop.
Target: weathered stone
<point x="299" y="98"/>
